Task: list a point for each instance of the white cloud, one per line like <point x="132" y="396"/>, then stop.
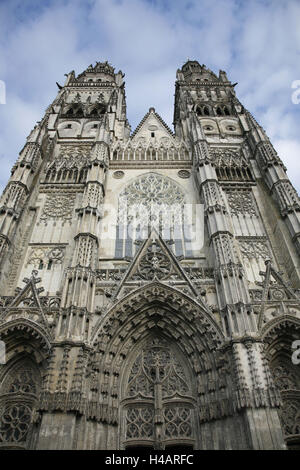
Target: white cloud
<point x="289" y="151"/>
<point x="256" y="42"/>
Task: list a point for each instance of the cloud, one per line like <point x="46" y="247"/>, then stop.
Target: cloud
<point x="289" y="151"/>
<point x="257" y="43"/>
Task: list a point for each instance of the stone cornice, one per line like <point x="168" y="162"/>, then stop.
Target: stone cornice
<point x="189" y="83"/>
<point x="134" y="164"/>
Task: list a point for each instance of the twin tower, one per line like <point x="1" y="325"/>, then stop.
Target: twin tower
<point x="149" y="280"/>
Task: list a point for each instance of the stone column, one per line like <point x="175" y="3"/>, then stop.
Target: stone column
<point x="254" y="395"/>
<point x="65" y="387"/>
<point x="232" y="290"/>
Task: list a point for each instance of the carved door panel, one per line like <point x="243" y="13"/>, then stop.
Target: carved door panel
<point x="158" y="408"/>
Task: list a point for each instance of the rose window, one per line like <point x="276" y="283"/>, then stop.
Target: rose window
<point x="15" y="423"/>
<point x="17" y="400"/>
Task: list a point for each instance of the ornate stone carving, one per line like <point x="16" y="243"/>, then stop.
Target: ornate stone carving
<point x="151" y="202"/>
<point x="40" y="256"/>
<point x="76" y="151"/>
<point x="178" y="422"/>
<point x="255" y="248"/>
<point x="93" y="195"/>
<point x="157" y="363"/>
<point x="184" y="174"/>
<point x="118" y="174"/>
<point x="290" y="416"/>
<point x="23" y="382"/>
<point x="285" y="378"/>
<point x="196" y="274"/>
<point x="139" y="423"/>
<point x="70" y="165"/>
<point x="151" y="192"/>
<point x="154" y="264"/>
<point x="30" y="154"/>
<point x="231" y="164"/>
<point x="213" y="196"/>
<point x="241" y="203"/>
<point x="14" y="196"/>
<point x="58" y="206"/>
<point x="228" y="156"/>
<point x="224" y="249"/>
<point x="287" y="197"/>
<point x="266" y="154"/>
<point x="85" y="250"/>
<point x="15" y="422"/>
<point x="138" y="357"/>
<point x="159" y="377"/>
<point x="21" y="388"/>
<point x="255" y="295"/>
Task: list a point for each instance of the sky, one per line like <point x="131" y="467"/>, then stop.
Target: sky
<point x="256" y="42"/>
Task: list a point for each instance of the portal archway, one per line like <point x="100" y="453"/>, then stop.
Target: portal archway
<point x="19" y="390"/>
<point x="27" y="349"/>
<point x="279" y="336"/>
<point x="191" y="338"/>
<point x="158" y="397"/>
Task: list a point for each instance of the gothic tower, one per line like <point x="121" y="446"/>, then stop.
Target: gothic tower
<point x="149" y="280"/>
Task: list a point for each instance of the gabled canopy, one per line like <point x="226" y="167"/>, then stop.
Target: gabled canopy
<point x="152" y="122"/>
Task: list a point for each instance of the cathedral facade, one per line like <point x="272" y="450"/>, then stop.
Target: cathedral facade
<point x="149" y="280"/>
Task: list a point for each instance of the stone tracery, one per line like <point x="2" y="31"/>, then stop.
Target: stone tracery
<point x="151" y="202"/>
<point x="20" y="389"/>
<point x="286" y="376"/>
<point x="159" y="378"/>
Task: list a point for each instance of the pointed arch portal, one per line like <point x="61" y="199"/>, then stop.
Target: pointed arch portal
<point x="279" y="335"/>
<point x="158" y="404"/>
<point x="155" y="352"/>
<point x="27" y="349"/>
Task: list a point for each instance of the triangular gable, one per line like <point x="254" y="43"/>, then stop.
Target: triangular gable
<point x="269" y="286"/>
<point x="28" y="298"/>
<point x="152" y="122"/>
<point x="154" y="261"/>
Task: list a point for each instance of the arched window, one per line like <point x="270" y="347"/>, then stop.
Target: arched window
<point x="19" y="392"/>
<point x="83" y="175"/>
<point x="152" y="202"/>
<point x="158" y="405"/>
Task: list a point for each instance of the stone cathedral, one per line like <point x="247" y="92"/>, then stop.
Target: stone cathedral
<point x="150" y="280"/>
